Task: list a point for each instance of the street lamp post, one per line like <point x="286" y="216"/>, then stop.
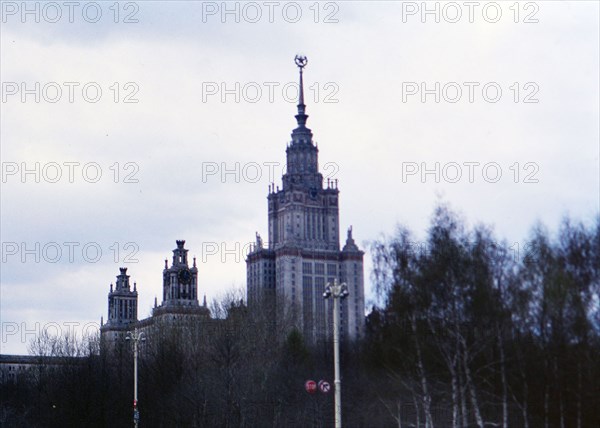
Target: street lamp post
<point x="136" y="337"/>
<point x="338" y="292"/>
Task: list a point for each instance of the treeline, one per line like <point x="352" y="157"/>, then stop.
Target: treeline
<point x="467" y="333"/>
<point x="472" y="333"/>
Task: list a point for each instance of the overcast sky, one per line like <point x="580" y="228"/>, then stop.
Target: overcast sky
<point x="196" y="106"/>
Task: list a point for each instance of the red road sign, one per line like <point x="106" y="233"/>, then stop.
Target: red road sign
<point x="324" y="386"/>
<point x="310" y="386"/>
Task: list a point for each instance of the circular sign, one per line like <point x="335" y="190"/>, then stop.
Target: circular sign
<point x="310" y="386"/>
<point x="324" y="386"/>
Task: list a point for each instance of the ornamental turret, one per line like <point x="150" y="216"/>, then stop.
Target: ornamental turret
<point x="122" y="301"/>
<point x="180" y="282"/>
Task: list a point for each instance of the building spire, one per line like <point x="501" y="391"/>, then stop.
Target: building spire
<point x="301" y="117"/>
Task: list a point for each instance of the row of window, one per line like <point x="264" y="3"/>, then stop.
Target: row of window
<point x="123" y="309"/>
<point x="307" y="268"/>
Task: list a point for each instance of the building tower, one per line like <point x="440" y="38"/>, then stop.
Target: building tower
<point x="303" y="252"/>
<point x="180" y="289"/>
<point x="179" y="306"/>
<point x="122" y="307"/>
<point x="180" y="282"/>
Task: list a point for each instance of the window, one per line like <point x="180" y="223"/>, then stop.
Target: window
<point x="331" y="269"/>
<point x="307" y="268"/>
<point x="319" y="268"/>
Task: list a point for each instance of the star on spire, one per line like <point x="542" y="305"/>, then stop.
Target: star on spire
<point x="301" y="61"/>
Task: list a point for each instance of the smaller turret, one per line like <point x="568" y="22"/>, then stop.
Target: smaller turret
<point x="350" y="245"/>
<point x="122" y="301"/>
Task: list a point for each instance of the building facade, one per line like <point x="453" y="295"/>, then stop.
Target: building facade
<point x="303" y="251"/>
<point x="179" y="304"/>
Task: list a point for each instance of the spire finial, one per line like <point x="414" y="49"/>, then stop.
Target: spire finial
<point x="301" y="117"/>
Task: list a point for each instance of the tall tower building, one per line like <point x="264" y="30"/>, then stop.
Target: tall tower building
<point x="303" y="252"/>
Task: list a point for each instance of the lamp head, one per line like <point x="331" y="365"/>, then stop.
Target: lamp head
<point x="344" y="291"/>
